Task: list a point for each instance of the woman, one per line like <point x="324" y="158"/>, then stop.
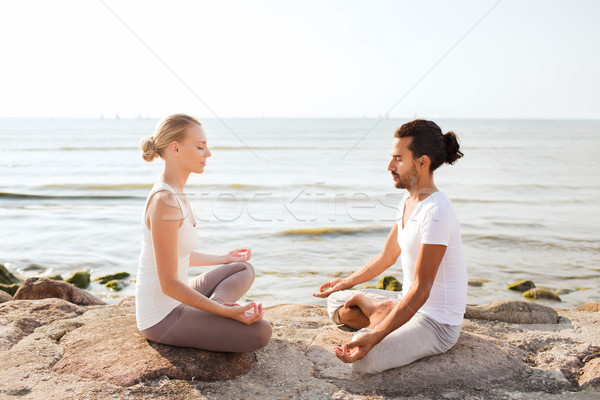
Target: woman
<point x="202" y="314"/>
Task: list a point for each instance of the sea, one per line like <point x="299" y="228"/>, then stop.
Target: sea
<point x="312" y="198"/>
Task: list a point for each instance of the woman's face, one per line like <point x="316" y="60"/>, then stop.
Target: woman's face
<point x="194" y="149"/>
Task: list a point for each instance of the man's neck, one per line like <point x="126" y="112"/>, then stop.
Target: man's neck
<point x="423" y="188"/>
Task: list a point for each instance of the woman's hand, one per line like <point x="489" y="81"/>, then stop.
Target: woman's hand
<point x="332" y="286"/>
<point x="248" y="314"/>
<point x="238" y="255"/>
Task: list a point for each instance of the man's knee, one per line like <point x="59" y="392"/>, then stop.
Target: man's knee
<point x="365" y="366"/>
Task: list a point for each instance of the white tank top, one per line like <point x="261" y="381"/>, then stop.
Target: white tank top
<point x="152" y="305"/>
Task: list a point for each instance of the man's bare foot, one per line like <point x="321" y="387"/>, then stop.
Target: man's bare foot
<point x="382" y="310"/>
<point x="374" y="310"/>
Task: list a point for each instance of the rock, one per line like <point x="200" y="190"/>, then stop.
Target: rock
<point x="41" y="288"/>
<point x="6" y="277"/>
<point x="475" y="283"/>
<point x="513" y="311"/>
<point x="590" y="374"/>
<point x="10" y="289"/>
<point x="116" y="284"/>
<point x="521" y="286"/>
<point x="4" y="296"/>
<point x="388" y="282"/>
<point x="591" y="307"/>
<point x="21" y="317"/>
<point x="106" y="278"/>
<point x="122" y="356"/>
<point x="81" y="279"/>
<point x="541" y="293"/>
<point x="127" y="302"/>
<point x="55" y="277"/>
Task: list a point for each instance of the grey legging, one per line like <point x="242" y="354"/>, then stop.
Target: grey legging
<point x="187" y="326"/>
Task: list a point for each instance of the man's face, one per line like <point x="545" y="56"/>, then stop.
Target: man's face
<point x="402" y="165"/>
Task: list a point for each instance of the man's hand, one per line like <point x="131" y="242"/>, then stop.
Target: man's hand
<point x="332" y="286"/>
<point x="356" y="349"/>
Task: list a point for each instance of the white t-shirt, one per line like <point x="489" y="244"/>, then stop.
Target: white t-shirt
<point x="434" y="221"/>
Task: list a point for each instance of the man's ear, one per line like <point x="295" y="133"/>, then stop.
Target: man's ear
<point x="424" y="161"/>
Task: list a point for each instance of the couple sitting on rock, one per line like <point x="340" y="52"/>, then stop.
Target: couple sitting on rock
<point x="394" y="329"/>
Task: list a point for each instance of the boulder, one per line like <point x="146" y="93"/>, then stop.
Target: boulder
<point x="590" y="307"/>
<point x="590" y="374"/>
<point x="521" y="286"/>
<point x="11" y="289"/>
<point x="116" y="285"/>
<point x="389" y="282"/>
<point x="42" y="288"/>
<point x="6" y="277"/>
<point x="541" y="293"/>
<point x="81" y="279"/>
<point x="107" y="278"/>
<point x="4" y="296"/>
<point x="513" y="311"/>
<point x="21" y="317"/>
<point x="115" y="351"/>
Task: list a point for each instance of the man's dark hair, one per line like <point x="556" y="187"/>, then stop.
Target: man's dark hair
<point x="428" y="140"/>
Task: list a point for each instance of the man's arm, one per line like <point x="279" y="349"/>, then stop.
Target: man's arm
<point x="370" y="270"/>
<point x="428" y="261"/>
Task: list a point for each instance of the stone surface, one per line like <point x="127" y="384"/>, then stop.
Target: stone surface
<point x="493" y="360"/>
<point x="541" y="293"/>
<point x="19" y="318"/>
<point x="4" y="296"/>
<point x="518" y="312"/>
<point x="41" y="288"/>
<point x="591" y="307"/>
<point x="115" y="351"/>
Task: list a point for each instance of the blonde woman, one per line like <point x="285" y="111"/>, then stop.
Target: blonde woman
<point x="202" y="314"/>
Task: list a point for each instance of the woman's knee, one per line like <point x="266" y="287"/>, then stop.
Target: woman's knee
<point x="261" y="333"/>
<point x="245" y="266"/>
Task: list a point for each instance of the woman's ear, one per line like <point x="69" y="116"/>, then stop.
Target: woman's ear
<point x="174" y="148"/>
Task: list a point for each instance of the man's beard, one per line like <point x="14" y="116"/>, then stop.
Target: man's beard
<point x="407" y="180"/>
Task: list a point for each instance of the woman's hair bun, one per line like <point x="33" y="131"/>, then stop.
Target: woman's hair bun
<point x="452" y="147"/>
<point x="148" y="146"/>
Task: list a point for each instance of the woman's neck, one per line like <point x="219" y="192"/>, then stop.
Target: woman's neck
<point x="174" y="178"/>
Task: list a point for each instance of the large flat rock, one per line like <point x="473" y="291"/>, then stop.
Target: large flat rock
<point x="19" y="318"/>
<point x="513" y="311"/>
<point x="115" y="351"/>
<point x="43" y="288"/>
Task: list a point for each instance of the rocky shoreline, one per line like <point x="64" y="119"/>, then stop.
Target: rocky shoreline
<point x="59" y="342"/>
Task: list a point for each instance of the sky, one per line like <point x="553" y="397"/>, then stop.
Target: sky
<point x="276" y="59"/>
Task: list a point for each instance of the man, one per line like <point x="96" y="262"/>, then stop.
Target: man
<point x="425" y="318"/>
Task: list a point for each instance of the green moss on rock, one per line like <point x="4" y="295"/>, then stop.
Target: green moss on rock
<point x="388" y="282"/>
<point x="81" y="279"/>
<point x="10" y="289"/>
<point x="540" y="293"/>
<point x="6" y="277"/>
<point x="55" y="277"/>
<point x="521" y="286"/>
<point x="107" y="278"/>
<point x="116" y="284"/>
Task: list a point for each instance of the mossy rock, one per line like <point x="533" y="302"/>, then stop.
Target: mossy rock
<point x="388" y="282"/>
<point x="521" y="286"/>
<point x="116" y="284"/>
<point x="10" y="289"/>
<point x="55" y="277"/>
<point x="6" y="277"/>
<point x="81" y="279"/>
<point x="476" y="283"/>
<point x="107" y="278"/>
<point x="541" y="293"/>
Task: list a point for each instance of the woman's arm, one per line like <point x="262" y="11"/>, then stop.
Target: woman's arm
<point x="200" y="259"/>
<point x="164" y="226"/>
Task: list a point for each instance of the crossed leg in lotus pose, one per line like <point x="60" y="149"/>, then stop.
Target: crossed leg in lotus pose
<point x="364" y="312"/>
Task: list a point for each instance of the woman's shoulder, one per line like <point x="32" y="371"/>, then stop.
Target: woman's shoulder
<point x="163" y="200"/>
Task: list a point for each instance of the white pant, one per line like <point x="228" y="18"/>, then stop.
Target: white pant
<point x="420" y="337"/>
